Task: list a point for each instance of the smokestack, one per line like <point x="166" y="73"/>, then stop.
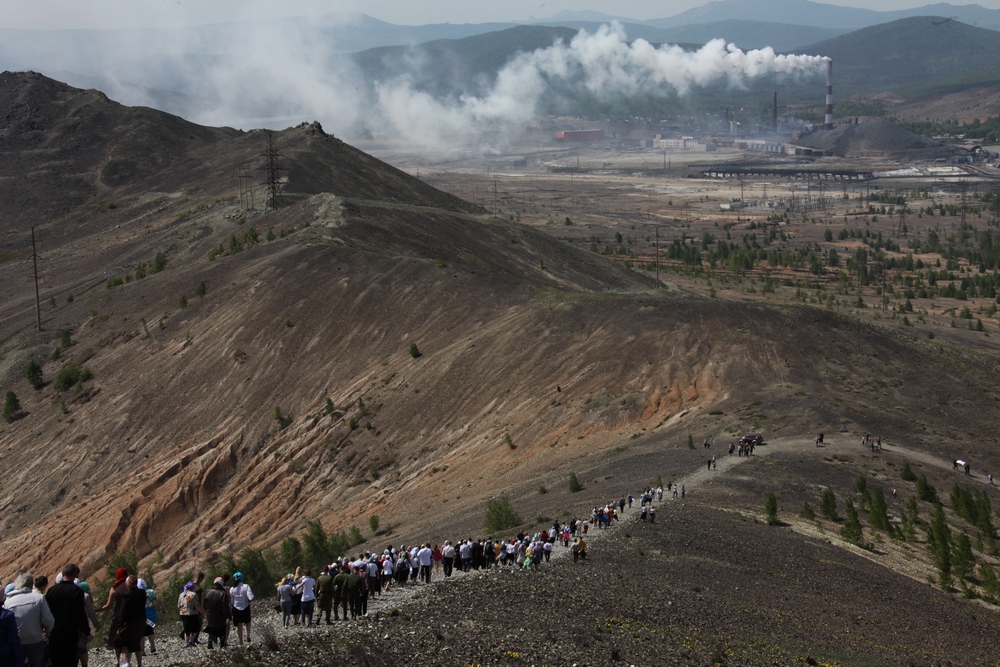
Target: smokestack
<point x="828" y="123"/>
<point x="774" y="111"/>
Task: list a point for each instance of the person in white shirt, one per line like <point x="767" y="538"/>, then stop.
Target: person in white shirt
<point x="466" y="552"/>
<point x="241" y="595"/>
<point x="424" y="557"/>
<point x="307" y="587"/>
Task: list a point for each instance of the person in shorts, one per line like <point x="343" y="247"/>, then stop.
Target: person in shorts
<point x="241" y="594"/>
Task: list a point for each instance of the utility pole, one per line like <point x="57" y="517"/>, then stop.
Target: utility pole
<point x="38" y="303"/>
<point x="657" y="257"/>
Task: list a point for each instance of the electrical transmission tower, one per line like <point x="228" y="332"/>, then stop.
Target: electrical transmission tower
<point x="272" y="170"/>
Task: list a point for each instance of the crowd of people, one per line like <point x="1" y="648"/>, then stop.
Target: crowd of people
<point x="40" y="625"/>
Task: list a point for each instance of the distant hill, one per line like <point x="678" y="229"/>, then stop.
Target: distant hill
<point x="748" y="34"/>
<point x="448" y="67"/>
<point x="909" y="51"/>
<point x="805" y="12"/>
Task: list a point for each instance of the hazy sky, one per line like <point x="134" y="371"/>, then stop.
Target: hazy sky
<point x="42" y="14"/>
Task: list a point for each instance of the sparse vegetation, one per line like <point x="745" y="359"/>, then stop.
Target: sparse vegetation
<point x="183" y="302"/>
<point x="508" y="441"/>
<point x="414" y="351"/>
<point x="851" y="531"/>
<point x="906" y="473"/>
<point x="373" y="523"/>
<point x="200" y="289"/>
<point x="828" y="505"/>
<point x="329" y="406"/>
<point x="501" y="515"/>
<point x="771" y="509"/>
<point x="574" y="484"/>
<point x="70" y="376"/>
<point x="66" y="339"/>
<point x="807" y="512"/>
<point x="11" y="407"/>
<point x="542" y="489"/>
<point x="34" y="374"/>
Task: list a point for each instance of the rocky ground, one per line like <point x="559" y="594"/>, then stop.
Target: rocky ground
<point x="710" y="583"/>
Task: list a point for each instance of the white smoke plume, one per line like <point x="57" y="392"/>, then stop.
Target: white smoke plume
<point x="283" y="73"/>
<point x="605" y="63"/>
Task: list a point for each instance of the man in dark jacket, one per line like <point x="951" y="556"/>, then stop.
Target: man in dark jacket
<point x="66" y="602"/>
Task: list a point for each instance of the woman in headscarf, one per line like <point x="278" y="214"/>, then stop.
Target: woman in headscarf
<point x="116" y="598"/>
<point x="133" y="623"/>
<point x="191" y="612"/>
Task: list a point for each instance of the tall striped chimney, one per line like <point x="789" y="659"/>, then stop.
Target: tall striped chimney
<point x="828" y="123"/>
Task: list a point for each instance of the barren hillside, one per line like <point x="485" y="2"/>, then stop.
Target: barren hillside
<point x="205" y="427"/>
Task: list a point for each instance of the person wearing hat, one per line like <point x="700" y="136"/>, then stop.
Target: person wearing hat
<point x="11" y="651"/>
<point x="95" y="622"/>
<point x="191" y="612"/>
<point x="217" y="611"/>
<point x="241" y="594"/>
<point x="116" y="598"/>
<point x="154" y="605"/>
<point x="129" y="639"/>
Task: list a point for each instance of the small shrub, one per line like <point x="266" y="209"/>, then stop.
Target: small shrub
<point x="771" y="509"/>
<point x="542" y="489"/>
<point x="69" y="298"/>
<point x="159" y="263"/>
<point x="373" y="471"/>
<point x="373" y="523"/>
<point x="414" y="350"/>
<point x="355" y="536"/>
<point x="288" y="323"/>
<point x="500" y="515"/>
<point x="574" y="483"/>
<point x="69" y="376"/>
<point x="66" y="339"/>
<point x="690" y="441"/>
<point x="183" y="302"/>
<point x="361" y="406"/>
<point x="352" y="423"/>
<point x="200" y="289"/>
<point x="906" y="473"/>
<point x="507" y="441"/>
<point x="115" y="282"/>
<point x="55" y="354"/>
<point x="11" y="407"/>
<point x="63" y="408"/>
<point x="329" y="406"/>
<point x="277" y="413"/>
<point x="807" y="512"/>
<point x="52" y="302"/>
<point x="926" y="490"/>
<point x="34" y="374"/>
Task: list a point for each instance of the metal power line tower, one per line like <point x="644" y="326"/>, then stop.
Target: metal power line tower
<point x="272" y="170"/>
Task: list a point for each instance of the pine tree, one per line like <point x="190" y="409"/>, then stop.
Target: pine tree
<point x="828" y="505"/>
<point x="11" y="407"/>
<point x="962" y="559"/>
<point x="939" y="543"/>
<point x="34" y="374"/>
<point x="864" y="498"/>
<point x="771" y="509"/>
<point x="851" y="530"/>
<point x="906" y="473"/>
<point x="879" y="514"/>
